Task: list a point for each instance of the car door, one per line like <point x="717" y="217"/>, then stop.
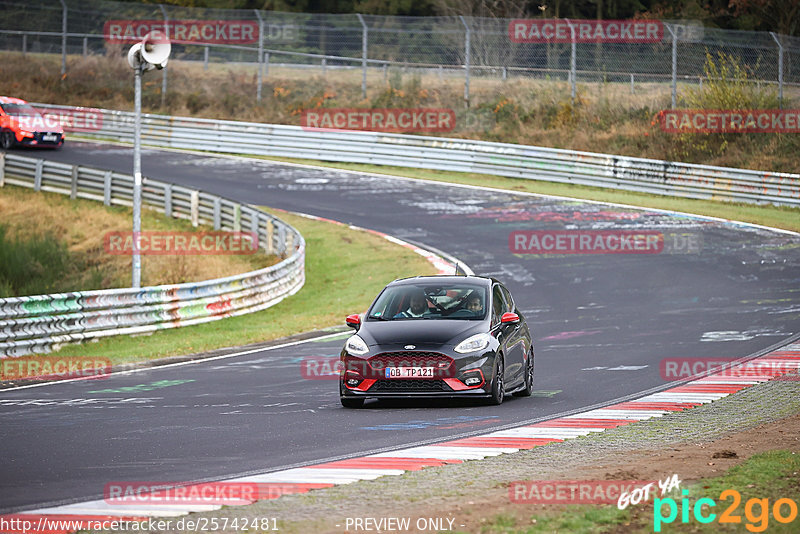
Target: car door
<point x="515" y="342"/>
<point x="505" y="334"/>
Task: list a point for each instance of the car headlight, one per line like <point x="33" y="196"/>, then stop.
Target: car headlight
<point x="473" y="343"/>
<point x="26" y="133"/>
<point x="355" y="345"/>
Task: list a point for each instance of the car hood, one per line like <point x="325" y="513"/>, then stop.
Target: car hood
<point x="424" y="334"/>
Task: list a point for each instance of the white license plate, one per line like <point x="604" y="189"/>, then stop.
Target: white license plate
<point x="49" y="137"/>
<point x="409" y="372"/>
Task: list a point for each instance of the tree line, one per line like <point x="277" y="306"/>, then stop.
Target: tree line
<point x="782" y="16"/>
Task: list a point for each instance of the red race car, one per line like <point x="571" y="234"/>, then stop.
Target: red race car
<point x="21" y="124"/>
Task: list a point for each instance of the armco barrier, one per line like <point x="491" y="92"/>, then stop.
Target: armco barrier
<point x="501" y="159"/>
<point x="40" y="323"/>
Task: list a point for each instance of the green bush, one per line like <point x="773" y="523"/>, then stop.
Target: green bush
<point x="32" y="266"/>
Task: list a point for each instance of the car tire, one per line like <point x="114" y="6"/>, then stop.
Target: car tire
<point x="7" y="140"/>
<point x="350" y="402"/>
<point x="498" y="385"/>
<point x="528" y="389"/>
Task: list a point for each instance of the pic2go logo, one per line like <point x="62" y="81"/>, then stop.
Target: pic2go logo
<point x="756" y="511"/>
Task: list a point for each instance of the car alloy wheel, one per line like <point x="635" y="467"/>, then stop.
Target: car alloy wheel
<point x="528" y="390"/>
<point x="6" y="140"/>
<point x="498" y="387"/>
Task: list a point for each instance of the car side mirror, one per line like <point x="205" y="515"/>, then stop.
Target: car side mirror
<point x="509" y="318"/>
<point x="353" y="321"/>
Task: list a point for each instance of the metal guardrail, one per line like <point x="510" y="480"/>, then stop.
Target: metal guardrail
<point x="500" y="159"/>
<point x="41" y="323"/>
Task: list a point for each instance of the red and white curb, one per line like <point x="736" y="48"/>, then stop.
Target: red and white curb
<point x="773" y="365"/>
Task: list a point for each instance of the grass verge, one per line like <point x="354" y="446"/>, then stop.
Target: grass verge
<point x="51" y="244"/>
<point x="761" y="481"/>
<point x="345" y="269"/>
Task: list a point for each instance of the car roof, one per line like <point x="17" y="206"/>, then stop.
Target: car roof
<point x="443" y="279"/>
<point x="11" y="100"/>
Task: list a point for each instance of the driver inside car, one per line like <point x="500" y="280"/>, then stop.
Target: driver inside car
<point x="475" y="305"/>
<point x="418" y="306"/>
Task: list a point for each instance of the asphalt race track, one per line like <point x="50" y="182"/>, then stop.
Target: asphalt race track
<point x="603" y="324"/>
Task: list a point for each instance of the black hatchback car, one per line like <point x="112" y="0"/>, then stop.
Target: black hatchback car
<point x="438" y="336"/>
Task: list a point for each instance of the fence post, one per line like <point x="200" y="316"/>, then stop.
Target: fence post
<point x="194" y="207"/>
<point x="260" y="54"/>
<point x="24" y="43"/>
<point x="205" y="58"/>
<point x="364" y="41"/>
<point x="780" y="69"/>
<point x="63" y="38"/>
<point x="237" y="217"/>
<point x="632" y="90"/>
<point x="674" y="65"/>
<point x="85" y="46"/>
<point x="466" y="59"/>
<point x="73" y="186"/>
<point x="37" y="175"/>
<point x="2" y="169"/>
<point x="168" y="200"/>
<point x="270" y="232"/>
<point x="266" y="64"/>
<point x="573" y="62"/>
<point x="164" y="70"/>
<point x="107" y="188"/>
<point x="217" y="212"/>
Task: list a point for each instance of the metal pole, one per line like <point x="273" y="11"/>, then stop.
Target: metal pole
<point x="466" y="59"/>
<point x="780" y="69"/>
<point x="63" y="38"/>
<point x="205" y="58"/>
<point x="573" y="63"/>
<point x="164" y="70"/>
<point x="364" y="41"/>
<point x="266" y="64"/>
<point x="260" y="54"/>
<point x="632" y="91"/>
<point x="136" y="278"/>
<point x="674" y="65"/>
<point x="24" y="43"/>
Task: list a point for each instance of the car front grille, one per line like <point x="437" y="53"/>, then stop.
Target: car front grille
<point x="411" y="359"/>
<point x="402" y="385"/>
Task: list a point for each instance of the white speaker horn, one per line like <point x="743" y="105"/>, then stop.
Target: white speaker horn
<point x="156" y="49"/>
<point x="135" y="55"/>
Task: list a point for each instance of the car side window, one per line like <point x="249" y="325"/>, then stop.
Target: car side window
<point x="498" y="305"/>
<point x="508" y="298"/>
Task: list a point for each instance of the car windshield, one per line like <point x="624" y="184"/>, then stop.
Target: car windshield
<point x="19" y="110"/>
<point x="430" y="301"/>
